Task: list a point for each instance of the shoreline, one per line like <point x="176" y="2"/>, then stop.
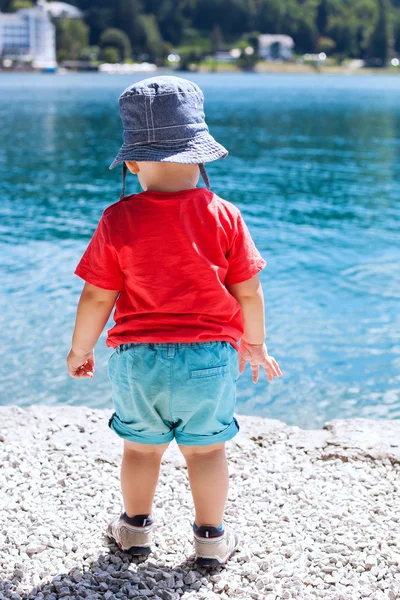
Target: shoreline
<point x="224" y="69"/>
<point x="378" y="439"/>
<point x="318" y="511"/>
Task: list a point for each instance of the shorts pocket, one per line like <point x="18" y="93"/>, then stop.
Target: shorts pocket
<point x="210" y="372"/>
<point x="234" y="363"/>
<point x="109" y="368"/>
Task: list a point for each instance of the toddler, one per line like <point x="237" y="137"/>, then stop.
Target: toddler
<point x="180" y="267"/>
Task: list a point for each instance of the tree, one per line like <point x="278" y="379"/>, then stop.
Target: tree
<point x="118" y="39"/>
<point x="170" y="20"/>
<point x="90" y="53"/>
<point x="299" y="19"/>
<point x="18" y="4"/>
<point x="325" y="44"/>
<point x="217" y="39"/>
<point x="342" y="28"/>
<point x="152" y="40"/>
<point x="367" y="29"/>
<point x="127" y="17"/>
<point x="109" y="54"/>
<point x="98" y="20"/>
<point x="5" y="5"/>
<point x="322" y="16"/>
<point x="232" y="16"/>
<point x="366" y="13"/>
<point x="268" y="17"/>
<point x="72" y="35"/>
<point x="381" y="37"/>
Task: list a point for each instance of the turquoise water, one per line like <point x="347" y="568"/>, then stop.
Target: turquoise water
<point x="314" y="166"/>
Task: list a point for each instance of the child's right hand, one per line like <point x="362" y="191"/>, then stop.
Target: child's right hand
<point x="257" y="355"/>
<point x="80" y="365"/>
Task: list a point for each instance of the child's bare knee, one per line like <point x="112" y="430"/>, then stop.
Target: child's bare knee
<point x="198" y="451"/>
<point x="148" y="449"/>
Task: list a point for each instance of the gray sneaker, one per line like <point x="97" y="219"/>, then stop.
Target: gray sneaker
<point x="132" y="535"/>
<point x="214" y="547"/>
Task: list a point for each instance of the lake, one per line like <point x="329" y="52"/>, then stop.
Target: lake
<point x="314" y="166"/>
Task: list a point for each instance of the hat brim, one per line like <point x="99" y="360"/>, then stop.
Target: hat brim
<point x="200" y="149"/>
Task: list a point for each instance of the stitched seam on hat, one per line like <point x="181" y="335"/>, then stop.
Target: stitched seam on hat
<point x="176" y="140"/>
<point x="147" y="121"/>
<point x="177" y="146"/>
<point x="158" y="95"/>
<point x="152" y="121"/>
<point x="158" y="150"/>
<point x="170" y="149"/>
<point x="167" y="126"/>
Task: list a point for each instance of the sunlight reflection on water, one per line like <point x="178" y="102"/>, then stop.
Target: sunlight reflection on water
<point x="314" y="167"/>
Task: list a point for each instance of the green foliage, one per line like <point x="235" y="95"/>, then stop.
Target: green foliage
<point x="368" y="29"/>
<point x="72" y="37"/>
<point x="90" y="53"/>
<point x="117" y="39"/>
<point x="98" y="19"/>
<point x="380" y="39"/>
<point x="153" y="44"/>
<point x="109" y="54"/>
<point x="190" y="55"/>
<point x="196" y="50"/>
<point x="246" y="61"/>
<point x="325" y="44"/>
<point x="217" y="39"/>
<point x="170" y="18"/>
<point x="126" y="16"/>
<point x="18" y="4"/>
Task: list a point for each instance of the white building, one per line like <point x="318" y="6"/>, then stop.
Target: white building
<point x="62" y="10"/>
<point x="275" y="47"/>
<point x="28" y="35"/>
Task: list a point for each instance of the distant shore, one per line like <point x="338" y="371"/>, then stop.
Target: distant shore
<point x="317" y="511"/>
<point x="262" y="67"/>
<point x="294" y="68"/>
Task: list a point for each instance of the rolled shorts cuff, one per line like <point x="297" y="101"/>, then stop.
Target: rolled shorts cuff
<point x="193" y="439"/>
<point x="140" y="437"/>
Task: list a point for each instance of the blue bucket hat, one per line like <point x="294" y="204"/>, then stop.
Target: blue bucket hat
<point x="163" y="121"/>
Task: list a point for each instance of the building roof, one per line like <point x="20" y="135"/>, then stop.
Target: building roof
<point x="267" y="39"/>
<point x="62" y="9"/>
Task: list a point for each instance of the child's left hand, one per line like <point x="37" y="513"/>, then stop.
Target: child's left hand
<point x="81" y="366"/>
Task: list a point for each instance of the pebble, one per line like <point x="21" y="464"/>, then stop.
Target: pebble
<point x="76" y="576"/>
<point x="370" y="561"/>
<point x="305" y="536"/>
<point x="35" y="548"/>
<point x="190" y="578"/>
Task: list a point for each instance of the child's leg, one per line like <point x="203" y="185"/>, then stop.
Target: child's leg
<point x="139" y="475"/>
<point x="209" y="480"/>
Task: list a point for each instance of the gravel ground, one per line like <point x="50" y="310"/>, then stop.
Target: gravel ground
<point x="318" y="510"/>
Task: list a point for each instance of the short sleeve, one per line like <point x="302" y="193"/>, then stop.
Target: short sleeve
<point x="99" y="264"/>
<point x="244" y="260"/>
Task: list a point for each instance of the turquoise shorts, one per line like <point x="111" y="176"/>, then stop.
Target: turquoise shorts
<point x="183" y="391"/>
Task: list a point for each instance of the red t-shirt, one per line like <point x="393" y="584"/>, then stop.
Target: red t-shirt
<point x="171" y="255"/>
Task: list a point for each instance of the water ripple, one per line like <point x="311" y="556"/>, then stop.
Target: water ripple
<point x="314" y="167"/>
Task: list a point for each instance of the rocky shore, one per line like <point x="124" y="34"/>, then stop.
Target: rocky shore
<point x="318" y="512"/>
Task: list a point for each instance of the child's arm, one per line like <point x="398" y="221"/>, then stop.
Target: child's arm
<point x="252" y="348"/>
<point x="94" y="308"/>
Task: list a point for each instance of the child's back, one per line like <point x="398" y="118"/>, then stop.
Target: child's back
<point x="172" y="254"/>
<point x="179" y="264"/>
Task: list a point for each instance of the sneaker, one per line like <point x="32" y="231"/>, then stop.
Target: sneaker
<point x="132" y="535"/>
<point x="214" y="546"/>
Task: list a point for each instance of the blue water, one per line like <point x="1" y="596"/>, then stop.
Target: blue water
<point x="314" y="166"/>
